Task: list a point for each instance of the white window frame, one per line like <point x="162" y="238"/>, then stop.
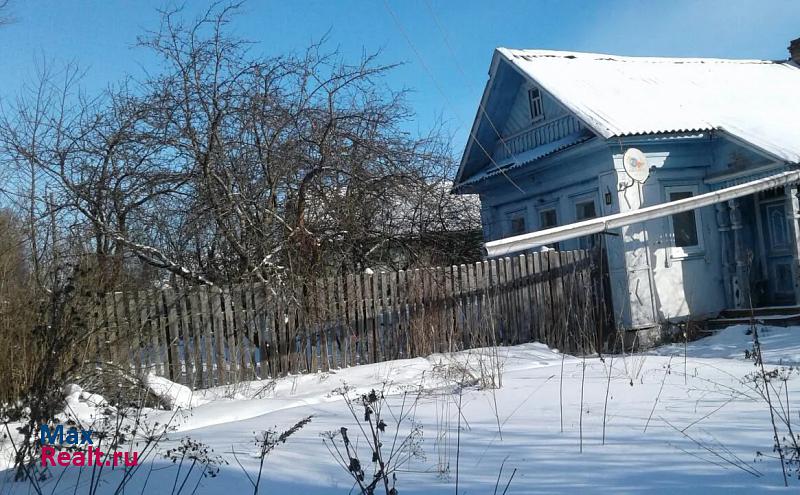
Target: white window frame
<point x="535" y="104"/>
<point x="677" y="252"/>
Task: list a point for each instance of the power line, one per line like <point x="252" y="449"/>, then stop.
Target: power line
<point x="465" y="78"/>
<point x="444" y="94"/>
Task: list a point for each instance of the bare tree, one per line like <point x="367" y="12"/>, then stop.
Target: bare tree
<point x="226" y="166"/>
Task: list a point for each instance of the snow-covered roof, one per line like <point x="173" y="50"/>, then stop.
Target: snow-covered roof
<point x="755" y="101"/>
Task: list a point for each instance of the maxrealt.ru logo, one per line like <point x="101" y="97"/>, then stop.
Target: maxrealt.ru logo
<point x="74" y="437"/>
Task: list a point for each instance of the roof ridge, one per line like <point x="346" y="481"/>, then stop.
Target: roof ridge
<point x="528" y="53"/>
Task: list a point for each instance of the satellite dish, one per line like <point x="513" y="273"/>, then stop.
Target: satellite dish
<point x="635" y="164"/>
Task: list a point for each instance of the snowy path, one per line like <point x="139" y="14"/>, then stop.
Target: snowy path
<point x="723" y="420"/>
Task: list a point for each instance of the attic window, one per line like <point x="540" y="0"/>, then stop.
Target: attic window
<point x="535" y="100"/>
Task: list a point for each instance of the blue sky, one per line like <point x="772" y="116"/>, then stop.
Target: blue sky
<point x="99" y="36"/>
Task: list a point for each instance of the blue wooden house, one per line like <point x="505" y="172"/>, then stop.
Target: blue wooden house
<point x="713" y="227"/>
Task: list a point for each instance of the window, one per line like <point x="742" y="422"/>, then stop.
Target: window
<point x="548" y="219"/>
<point x="516" y="222"/>
<point x="535" y="100"/>
<point x="585" y="210"/>
<point x="686" y="238"/>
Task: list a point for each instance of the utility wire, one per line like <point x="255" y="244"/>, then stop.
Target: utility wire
<point x="465" y="78"/>
<point x="444" y="94"/>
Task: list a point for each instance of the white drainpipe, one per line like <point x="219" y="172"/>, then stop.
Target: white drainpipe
<point x="531" y="240"/>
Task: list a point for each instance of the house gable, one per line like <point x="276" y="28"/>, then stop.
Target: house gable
<point x="506" y="134"/>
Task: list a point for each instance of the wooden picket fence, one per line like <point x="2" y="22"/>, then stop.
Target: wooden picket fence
<point x="207" y="336"/>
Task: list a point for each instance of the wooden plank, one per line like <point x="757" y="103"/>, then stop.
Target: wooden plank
<point x="387" y="315"/>
<point x="518" y="266"/>
<point x="184" y="318"/>
<point x="265" y="319"/>
<point x="514" y="271"/>
<point x="156" y="336"/>
<point x="369" y="317"/>
<point x="418" y="314"/>
<point x="570" y="317"/>
<point x="475" y="286"/>
<point x="446" y="310"/>
<point x="509" y="313"/>
<point x="511" y="280"/>
<point x="523" y="282"/>
<point x="139" y="309"/>
<point x="352" y="325"/>
<point x="486" y="322"/>
<point x="121" y="335"/>
<point x="578" y="332"/>
<point x="196" y="322"/>
<point x="402" y="315"/>
<point x="517" y="263"/>
<point x="412" y="297"/>
<point x="584" y="294"/>
<point x="135" y="329"/>
<point x="281" y="344"/>
<point x="336" y="317"/>
<point x="205" y="336"/>
<point x="495" y="303"/>
<point x="175" y="365"/>
<point x="358" y="320"/>
<point x="229" y="327"/>
<point x="342" y="332"/>
<point x="476" y="333"/>
<point x="388" y="311"/>
<point x="323" y="323"/>
<point x="462" y="310"/>
<point x="124" y="334"/>
<point x="218" y="321"/>
<point x="312" y="338"/>
<point x="534" y="298"/>
<point x="557" y="299"/>
<point x="273" y="343"/>
<point x="504" y="305"/>
<point x="295" y="331"/>
<point x="110" y="330"/>
<point x="547" y="298"/>
<point x="381" y="316"/>
<point x="466" y="321"/>
<point x="330" y="321"/>
<point x="436" y="322"/>
<point x="422" y="342"/>
<point x="127" y="332"/>
<point x="259" y="324"/>
<point x="252" y="327"/>
<point x="240" y="332"/>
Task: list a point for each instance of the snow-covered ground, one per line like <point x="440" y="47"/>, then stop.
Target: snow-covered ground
<point x="706" y="423"/>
